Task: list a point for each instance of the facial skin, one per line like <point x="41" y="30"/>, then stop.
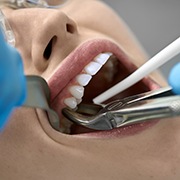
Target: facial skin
<point x="31" y="149"/>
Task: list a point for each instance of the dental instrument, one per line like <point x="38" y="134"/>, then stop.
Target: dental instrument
<point x="157" y="104"/>
<point x="155" y="62"/>
<point x="38" y="96"/>
<point x="6" y="29"/>
<point x="16" y="4"/>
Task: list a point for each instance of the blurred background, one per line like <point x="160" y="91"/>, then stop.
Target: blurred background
<point x="156" y="23"/>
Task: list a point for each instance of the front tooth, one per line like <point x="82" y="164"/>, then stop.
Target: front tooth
<point x="92" y="68"/>
<point x="77" y="91"/>
<point x="71" y="102"/>
<point x="102" y="58"/>
<point x="83" y="79"/>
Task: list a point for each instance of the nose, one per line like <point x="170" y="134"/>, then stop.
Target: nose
<point x="55" y="34"/>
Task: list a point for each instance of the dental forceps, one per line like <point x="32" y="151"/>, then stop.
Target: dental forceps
<point x="16" y="4"/>
<point x="156" y="104"/>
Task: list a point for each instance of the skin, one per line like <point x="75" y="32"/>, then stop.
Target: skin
<point x="31" y="149"/>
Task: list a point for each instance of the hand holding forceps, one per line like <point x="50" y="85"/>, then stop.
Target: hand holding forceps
<point x="157" y="104"/>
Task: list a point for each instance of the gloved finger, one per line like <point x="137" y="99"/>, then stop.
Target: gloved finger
<point x="20" y="79"/>
<point x="12" y="80"/>
<point x="12" y="73"/>
<point x="174" y="79"/>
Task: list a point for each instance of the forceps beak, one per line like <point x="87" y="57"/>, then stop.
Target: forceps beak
<point x="93" y="119"/>
<point x="151" y="105"/>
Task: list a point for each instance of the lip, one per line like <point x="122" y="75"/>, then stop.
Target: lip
<point x="74" y="63"/>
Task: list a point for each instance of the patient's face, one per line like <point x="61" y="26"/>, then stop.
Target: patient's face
<point x="67" y="47"/>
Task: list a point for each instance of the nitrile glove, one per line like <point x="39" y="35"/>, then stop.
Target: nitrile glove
<point x="12" y="80"/>
<point x="174" y="78"/>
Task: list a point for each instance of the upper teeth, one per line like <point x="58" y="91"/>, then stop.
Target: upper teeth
<point x="102" y="58"/>
<point x="83" y="79"/>
<point x="77" y="91"/>
<point x="92" y="68"/>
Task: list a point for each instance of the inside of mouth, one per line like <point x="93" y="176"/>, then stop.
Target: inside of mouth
<point x="110" y="74"/>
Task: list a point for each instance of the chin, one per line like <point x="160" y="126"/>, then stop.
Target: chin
<point x="89" y="70"/>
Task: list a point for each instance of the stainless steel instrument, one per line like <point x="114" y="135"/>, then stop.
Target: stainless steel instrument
<point x="157" y="104"/>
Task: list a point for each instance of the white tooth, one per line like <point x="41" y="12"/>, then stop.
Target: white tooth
<point x="92" y="68"/>
<point x="102" y="58"/>
<point x="83" y="79"/>
<point x="77" y="91"/>
<point x="79" y="101"/>
<point x="71" y="102"/>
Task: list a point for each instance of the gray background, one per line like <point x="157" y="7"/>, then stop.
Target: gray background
<point x="156" y="23"/>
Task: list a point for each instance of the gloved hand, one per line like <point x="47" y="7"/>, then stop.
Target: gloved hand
<point x="12" y="80"/>
<point x="174" y="78"/>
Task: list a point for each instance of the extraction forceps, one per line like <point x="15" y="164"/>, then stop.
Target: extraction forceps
<point x="156" y="104"/>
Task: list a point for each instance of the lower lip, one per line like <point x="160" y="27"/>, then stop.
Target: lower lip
<point x="121" y="131"/>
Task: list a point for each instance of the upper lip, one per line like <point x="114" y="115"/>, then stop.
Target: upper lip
<point x="79" y="58"/>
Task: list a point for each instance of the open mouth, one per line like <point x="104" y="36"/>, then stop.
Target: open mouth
<point x="104" y="70"/>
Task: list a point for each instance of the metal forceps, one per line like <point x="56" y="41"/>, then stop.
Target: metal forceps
<point x="156" y="104"/>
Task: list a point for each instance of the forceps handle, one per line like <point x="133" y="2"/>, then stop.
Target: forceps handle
<point x="146" y="110"/>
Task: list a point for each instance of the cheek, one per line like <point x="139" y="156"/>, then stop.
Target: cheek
<point x="26" y="57"/>
<point x="29" y="67"/>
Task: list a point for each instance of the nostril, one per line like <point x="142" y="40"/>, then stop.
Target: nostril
<point x="48" y="50"/>
<point x="70" y="28"/>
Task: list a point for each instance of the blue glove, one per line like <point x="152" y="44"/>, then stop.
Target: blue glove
<point x="12" y="80"/>
<point x="174" y="78"/>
